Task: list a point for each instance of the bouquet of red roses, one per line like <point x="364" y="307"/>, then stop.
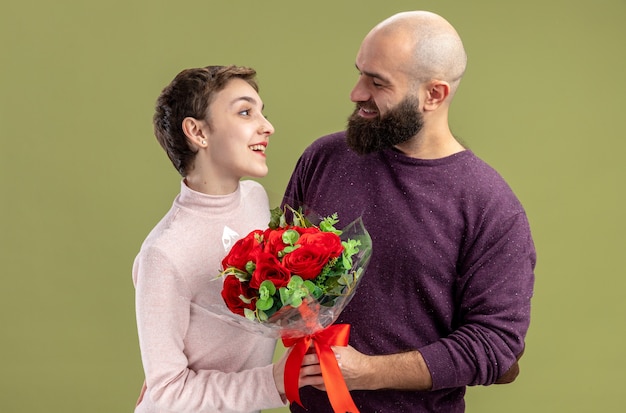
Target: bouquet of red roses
<point x="291" y="281"/>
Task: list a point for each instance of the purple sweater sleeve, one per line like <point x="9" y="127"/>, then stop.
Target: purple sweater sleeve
<point x="493" y="295"/>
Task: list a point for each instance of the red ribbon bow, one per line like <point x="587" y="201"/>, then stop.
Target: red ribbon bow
<point x="338" y="394"/>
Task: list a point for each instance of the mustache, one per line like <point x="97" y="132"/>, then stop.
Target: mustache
<point x="369" y="105"/>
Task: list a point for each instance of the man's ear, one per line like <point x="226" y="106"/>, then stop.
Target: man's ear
<point x="436" y="94"/>
<point x="194" y="131"/>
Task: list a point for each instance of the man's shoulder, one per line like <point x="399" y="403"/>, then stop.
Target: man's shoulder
<point x="470" y="167"/>
<point x="480" y="180"/>
<point x="327" y="148"/>
<point x="331" y="142"/>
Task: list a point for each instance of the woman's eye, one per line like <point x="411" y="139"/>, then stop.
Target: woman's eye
<point x="245" y="112"/>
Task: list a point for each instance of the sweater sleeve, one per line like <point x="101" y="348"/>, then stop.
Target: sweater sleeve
<point x="163" y="303"/>
<point x="494" y="290"/>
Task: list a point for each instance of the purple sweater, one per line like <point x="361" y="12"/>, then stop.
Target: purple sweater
<point x="451" y="273"/>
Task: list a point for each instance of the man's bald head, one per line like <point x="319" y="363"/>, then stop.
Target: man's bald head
<point x="435" y="50"/>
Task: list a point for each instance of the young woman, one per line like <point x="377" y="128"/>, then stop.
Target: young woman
<point x="210" y="122"/>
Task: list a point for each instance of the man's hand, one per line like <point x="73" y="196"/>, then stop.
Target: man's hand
<point x="512" y="373"/>
<point x="404" y="371"/>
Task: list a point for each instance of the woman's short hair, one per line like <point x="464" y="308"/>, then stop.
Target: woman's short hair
<point x="189" y="94"/>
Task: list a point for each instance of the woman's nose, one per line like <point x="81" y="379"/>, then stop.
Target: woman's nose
<point x="266" y="127"/>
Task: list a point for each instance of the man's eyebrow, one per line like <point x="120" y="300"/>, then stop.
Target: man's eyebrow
<point x="372" y="74"/>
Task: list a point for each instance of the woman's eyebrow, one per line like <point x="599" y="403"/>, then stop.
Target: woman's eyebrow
<point x="249" y="99"/>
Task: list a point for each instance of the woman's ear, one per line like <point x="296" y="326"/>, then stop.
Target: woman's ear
<point x="194" y="131"/>
<point x="436" y="94"/>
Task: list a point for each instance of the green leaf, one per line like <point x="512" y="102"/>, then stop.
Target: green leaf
<point x="314" y="290"/>
<point x="328" y="224"/>
<point x="267" y="288"/>
<point x="346" y="262"/>
<point x="346" y="279"/>
<point x="266" y="291"/>
<point x="350" y="248"/>
<point x="265" y="304"/>
<point x="245" y="299"/>
<point x="285" y="295"/>
<point x="287" y="250"/>
<point x="295" y="290"/>
<point x="250" y="315"/>
<point x="310" y="286"/>
<point x="295" y="282"/>
<point x="241" y="275"/>
<point x="276" y="215"/>
<point x="250" y="267"/>
<point x="290" y="236"/>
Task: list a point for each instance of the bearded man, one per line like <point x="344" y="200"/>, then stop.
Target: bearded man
<point x="445" y="301"/>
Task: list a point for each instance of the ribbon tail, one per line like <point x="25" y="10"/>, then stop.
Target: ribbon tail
<point x="336" y="387"/>
<point x="292" y="370"/>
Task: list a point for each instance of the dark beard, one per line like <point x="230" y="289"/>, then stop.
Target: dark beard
<point x="397" y="126"/>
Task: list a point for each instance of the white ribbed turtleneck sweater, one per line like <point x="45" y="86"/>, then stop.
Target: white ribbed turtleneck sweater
<point x="193" y="361"/>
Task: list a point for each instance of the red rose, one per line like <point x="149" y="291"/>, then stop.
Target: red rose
<point x="326" y="241"/>
<point x="306" y="261"/>
<point x="307" y="230"/>
<point x="231" y="290"/>
<point x="269" y="268"/>
<point x="245" y="249"/>
<point x="316" y="249"/>
<point x="273" y="239"/>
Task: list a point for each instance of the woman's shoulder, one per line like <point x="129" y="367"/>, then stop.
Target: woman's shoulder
<point x="252" y="186"/>
<point x="253" y="189"/>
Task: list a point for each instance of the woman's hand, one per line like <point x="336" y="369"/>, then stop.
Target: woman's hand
<point x="352" y="363"/>
<point x="310" y="372"/>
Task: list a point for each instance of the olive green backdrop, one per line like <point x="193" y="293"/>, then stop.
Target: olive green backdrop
<point x="83" y="180"/>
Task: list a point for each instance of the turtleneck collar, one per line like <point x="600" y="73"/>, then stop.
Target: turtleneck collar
<point x="208" y="204"/>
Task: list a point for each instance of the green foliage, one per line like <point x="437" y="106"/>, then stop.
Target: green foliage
<point x="295" y="291"/>
<point x="266" y="292"/>
<point x="277" y="218"/>
<point x="242" y="276"/>
<point x="328" y="224"/>
<point x="350" y="248"/>
<point x="250" y="267"/>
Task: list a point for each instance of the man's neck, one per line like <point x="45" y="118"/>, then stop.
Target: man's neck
<point x="431" y="146"/>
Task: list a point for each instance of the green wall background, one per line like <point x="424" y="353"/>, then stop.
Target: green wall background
<point x="83" y="180"/>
